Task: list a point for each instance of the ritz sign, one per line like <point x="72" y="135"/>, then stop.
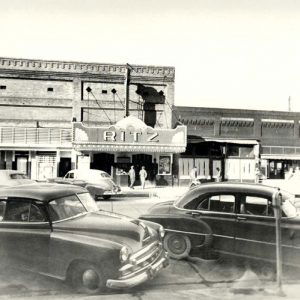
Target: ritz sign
<point x="124" y="136"/>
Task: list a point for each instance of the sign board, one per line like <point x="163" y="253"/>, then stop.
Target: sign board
<point x="129" y="138"/>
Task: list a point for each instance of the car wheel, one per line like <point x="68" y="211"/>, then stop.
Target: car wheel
<point x="177" y="245"/>
<point x="86" y="278"/>
<point x="106" y="197"/>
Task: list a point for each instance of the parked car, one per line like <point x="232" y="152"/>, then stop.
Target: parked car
<point x="97" y="182"/>
<point x="228" y="218"/>
<point x="13" y="177"/>
<point x="58" y="230"/>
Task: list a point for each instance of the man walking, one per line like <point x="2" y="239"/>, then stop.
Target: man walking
<point x="143" y="176"/>
<point x="131" y="174"/>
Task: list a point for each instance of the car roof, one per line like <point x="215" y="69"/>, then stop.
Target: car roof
<point x="43" y="191"/>
<point x="11" y="172"/>
<point x="87" y="171"/>
<point x="227" y="187"/>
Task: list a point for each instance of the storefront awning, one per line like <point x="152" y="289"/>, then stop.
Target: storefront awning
<point x="280" y="156"/>
<point x="230" y="141"/>
<point x="129" y="135"/>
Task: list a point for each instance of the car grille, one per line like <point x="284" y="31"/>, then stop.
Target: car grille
<point x="142" y="259"/>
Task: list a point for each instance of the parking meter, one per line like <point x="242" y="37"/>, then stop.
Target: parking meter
<point x="277" y="204"/>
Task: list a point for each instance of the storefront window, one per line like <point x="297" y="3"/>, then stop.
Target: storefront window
<point x="233" y="150"/>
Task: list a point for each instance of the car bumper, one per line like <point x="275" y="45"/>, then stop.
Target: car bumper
<point x="146" y="274"/>
<point x="112" y="192"/>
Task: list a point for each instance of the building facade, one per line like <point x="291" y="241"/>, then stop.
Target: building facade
<point x="43" y="103"/>
<point x="240" y="142"/>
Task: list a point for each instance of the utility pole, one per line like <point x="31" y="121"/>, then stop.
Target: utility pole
<point x="127" y="82"/>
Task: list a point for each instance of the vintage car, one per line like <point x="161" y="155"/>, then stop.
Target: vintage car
<point x="13" y="177"/>
<point x="59" y="231"/>
<point x="228" y="218"/>
<point x="97" y="182"/>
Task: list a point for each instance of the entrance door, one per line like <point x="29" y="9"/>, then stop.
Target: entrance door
<point x="103" y="161"/>
<point x="216" y="163"/>
<point x="139" y="160"/>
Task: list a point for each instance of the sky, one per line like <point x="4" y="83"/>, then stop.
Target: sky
<point x="227" y="53"/>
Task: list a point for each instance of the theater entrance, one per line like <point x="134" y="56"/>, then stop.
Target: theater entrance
<point x="103" y="161"/>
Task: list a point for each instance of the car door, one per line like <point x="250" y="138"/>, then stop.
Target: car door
<point x="218" y="211"/>
<point x="25" y="233"/>
<point x="255" y="227"/>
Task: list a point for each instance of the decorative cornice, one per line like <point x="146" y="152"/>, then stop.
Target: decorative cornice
<point x="195" y="121"/>
<point x="82" y="67"/>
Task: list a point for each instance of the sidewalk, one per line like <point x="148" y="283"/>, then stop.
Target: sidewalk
<point x="164" y="192"/>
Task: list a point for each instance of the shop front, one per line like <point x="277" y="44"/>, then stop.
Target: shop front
<point x="130" y="142"/>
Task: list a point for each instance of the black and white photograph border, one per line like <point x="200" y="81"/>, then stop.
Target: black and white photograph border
<point x="149" y="149"/>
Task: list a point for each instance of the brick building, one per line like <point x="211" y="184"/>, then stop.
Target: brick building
<point x="40" y="101"/>
<point x="239" y="141"/>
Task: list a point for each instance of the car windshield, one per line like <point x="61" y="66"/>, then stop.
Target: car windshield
<point x="289" y="209"/>
<point x="105" y="175"/>
<point x="88" y="202"/>
<point x="71" y="206"/>
<point x="18" y="176"/>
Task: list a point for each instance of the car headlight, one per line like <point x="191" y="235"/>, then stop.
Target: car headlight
<point x="124" y="254"/>
<point x="161" y="232"/>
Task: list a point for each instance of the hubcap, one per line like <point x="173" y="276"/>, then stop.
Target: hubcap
<point x="177" y="244"/>
<point x="90" y="279"/>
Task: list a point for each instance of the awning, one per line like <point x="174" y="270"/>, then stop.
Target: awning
<point x="280" y="156"/>
<point x="227" y="141"/>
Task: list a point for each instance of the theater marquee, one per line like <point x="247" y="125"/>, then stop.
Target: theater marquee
<point x="129" y="135"/>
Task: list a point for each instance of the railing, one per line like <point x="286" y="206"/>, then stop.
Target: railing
<point x="30" y="135"/>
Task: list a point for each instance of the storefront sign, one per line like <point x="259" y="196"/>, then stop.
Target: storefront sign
<point x="129" y="138"/>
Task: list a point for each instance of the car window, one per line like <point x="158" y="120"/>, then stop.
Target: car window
<point x="256" y="205"/>
<point x="18" y="176"/>
<point x="36" y="214"/>
<point x="2" y="209"/>
<point x="66" y="207"/>
<point x="218" y="203"/>
<point x="17" y="211"/>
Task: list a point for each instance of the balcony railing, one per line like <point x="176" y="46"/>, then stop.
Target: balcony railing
<point x="30" y="135"/>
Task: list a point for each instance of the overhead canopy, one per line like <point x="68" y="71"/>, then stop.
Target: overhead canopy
<point x="228" y="141"/>
<point x="129" y="135"/>
<point x="281" y="156"/>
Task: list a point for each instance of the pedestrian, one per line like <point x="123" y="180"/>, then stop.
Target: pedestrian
<point x="131" y="174"/>
<point x="143" y="176"/>
<point x="193" y="174"/>
<point x="218" y="176"/>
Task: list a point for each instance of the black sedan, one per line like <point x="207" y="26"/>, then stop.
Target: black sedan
<point x="58" y="230"/>
<point x="230" y="218"/>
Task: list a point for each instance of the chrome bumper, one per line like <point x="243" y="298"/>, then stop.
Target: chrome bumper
<point x="148" y="273"/>
<point x="112" y="192"/>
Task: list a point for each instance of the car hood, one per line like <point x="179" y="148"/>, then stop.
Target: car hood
<point x="105" y="225"/>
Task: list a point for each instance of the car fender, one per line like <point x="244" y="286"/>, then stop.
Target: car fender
<point x="188" y="225"/>
<point x="67" y="248"/>
<point x="95" y="189"/>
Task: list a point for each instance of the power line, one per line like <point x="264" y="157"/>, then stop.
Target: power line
<point x="100" y="106"/>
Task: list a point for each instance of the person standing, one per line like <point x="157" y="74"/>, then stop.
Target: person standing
<point x="143" y="176"/>
<point x="218" y="176"/>
<point x="193" y="174"/>
<point x="131" y="174"/>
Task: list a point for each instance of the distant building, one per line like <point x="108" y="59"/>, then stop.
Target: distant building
<point x="239" y="141"/>
<point x="50" y="109"/>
